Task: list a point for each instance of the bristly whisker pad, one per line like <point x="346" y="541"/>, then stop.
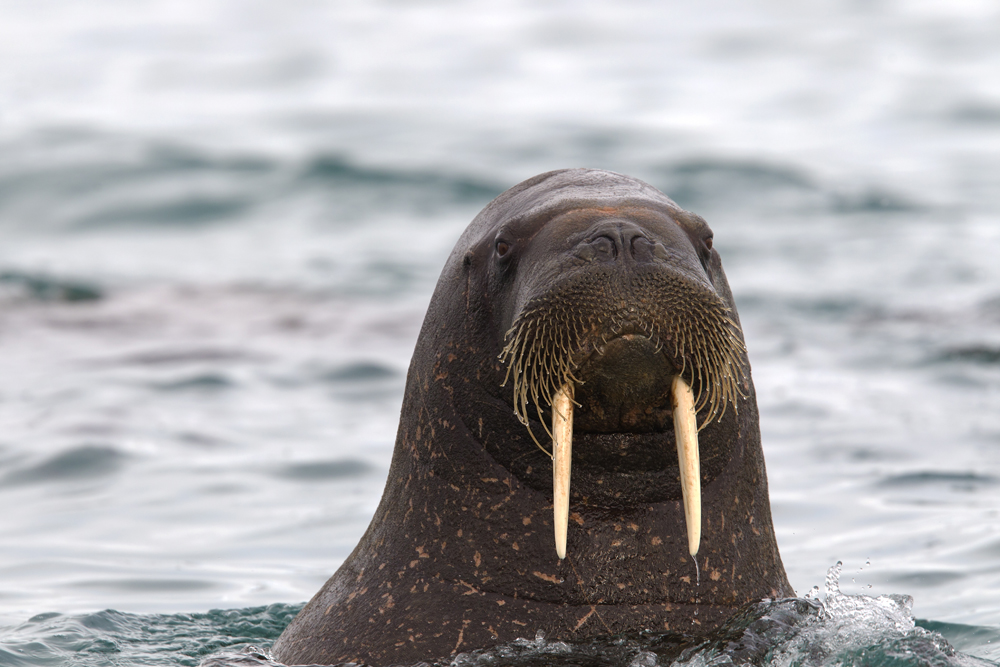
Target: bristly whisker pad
<point x="557" y="331"/>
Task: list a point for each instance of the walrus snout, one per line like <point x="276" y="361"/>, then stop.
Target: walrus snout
<point x="627" y="332"/>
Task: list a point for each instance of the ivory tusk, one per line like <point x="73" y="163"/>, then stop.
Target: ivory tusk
<point x="562" y="454"/>
<point x="686" y="434"/>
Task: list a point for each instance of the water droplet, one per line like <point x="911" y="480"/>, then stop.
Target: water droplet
<point x="832" y="583"/>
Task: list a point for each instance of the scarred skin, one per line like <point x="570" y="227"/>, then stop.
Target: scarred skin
<point x="460" y="553"/>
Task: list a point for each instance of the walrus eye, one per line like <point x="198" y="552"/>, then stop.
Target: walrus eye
<point x="708" y="242"/>
<point x="502" y="248"/>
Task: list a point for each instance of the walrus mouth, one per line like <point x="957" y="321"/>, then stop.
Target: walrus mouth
<point x="558" y="333"/>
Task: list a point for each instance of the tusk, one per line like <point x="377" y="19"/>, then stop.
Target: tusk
<point x="686" y="434"/>
<point x="562" y="454"/>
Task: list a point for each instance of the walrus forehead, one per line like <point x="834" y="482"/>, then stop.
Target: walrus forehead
<point x="576" y="188"/>
<point x="549" y="194"/>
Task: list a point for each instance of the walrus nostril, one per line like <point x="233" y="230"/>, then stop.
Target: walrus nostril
<point x="644" y="250"/>
<point x="600" y="248"/>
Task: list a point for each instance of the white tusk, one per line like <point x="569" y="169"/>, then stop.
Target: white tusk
<point x="562" y="454"/>
<point x="686" y="434"/>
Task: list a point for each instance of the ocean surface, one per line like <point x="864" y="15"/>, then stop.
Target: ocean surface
<point x="221" y="222"/>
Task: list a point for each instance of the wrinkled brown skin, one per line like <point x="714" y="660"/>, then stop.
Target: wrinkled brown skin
<point x="460" y="553"/>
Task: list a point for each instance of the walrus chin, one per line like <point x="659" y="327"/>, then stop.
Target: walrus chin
<point x="582" y="326"/>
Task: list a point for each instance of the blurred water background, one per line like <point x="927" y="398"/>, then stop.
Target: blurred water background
<point x="221" y="222"/>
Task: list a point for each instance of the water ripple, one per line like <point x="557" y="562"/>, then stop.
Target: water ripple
<point x="318" y="471"/>
<point x="80" y="463"/>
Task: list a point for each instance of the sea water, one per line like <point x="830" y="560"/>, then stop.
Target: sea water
<point x="221" y="222"/>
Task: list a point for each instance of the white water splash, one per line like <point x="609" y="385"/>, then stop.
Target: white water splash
<point x="536" y="648"/>
<point x="883" y="613"/>
<point x="828" y="629"/>
<point x="851" y="624"/>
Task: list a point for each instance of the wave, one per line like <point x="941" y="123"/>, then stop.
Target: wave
<point x="709" y="183"/>
<point x="90" y="181"/>
<point x="42" y="287"/>
<point x="116" y="638"/>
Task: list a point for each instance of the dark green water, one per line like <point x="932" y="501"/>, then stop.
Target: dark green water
<point x="845" y="630"/>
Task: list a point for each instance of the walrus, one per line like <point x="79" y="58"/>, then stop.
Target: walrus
<point x="578" y="451"/>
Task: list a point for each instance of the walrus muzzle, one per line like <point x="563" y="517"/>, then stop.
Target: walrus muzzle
<point x="669" y="335"/>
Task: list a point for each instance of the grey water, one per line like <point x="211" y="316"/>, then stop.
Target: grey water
<point x="221" y="222"/>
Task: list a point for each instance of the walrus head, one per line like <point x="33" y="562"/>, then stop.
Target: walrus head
<point x="619" y="318"/>
<point x="617" y="328"/>
<point x="582" y="324"/>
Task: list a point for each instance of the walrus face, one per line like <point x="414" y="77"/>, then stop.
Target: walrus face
<point x="614" y="333"/>
<point x="616" y="302"/>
